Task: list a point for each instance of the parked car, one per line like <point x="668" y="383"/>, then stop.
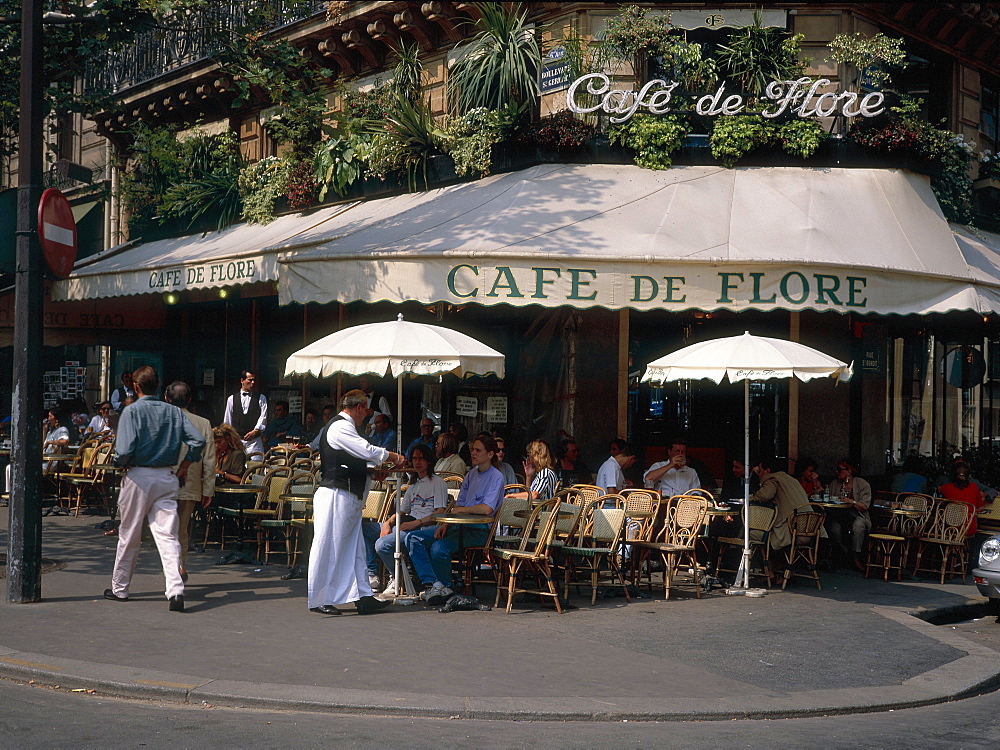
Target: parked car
<point x="987" y="575"/>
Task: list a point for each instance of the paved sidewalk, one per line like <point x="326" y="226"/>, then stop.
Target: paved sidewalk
<point x="247" y="639"/>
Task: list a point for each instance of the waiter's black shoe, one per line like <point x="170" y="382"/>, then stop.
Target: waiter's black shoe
<point x="325" y="609"/>
<point x="109" y="594"/>
<point x="177" y="603"/>
<point x="368" y="605"/>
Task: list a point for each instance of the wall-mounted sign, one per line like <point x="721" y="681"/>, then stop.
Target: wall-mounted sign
<point x="871" y="357"/>
<point x="801" y="97"/>
<point x="208" y="376"/>
<point x="554" y="72"/>
<point x="496" y="409"/>
<point x="466" y="406"/>
<point x="726" y="18"/>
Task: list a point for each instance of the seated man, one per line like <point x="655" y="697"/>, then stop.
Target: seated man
<point x="382" y="433"/>
<point x="858" y="492"/>
<point x="672" y="477"/>
<point x="425" y="438"/>
<point x="779" y="488"/>
<point x="310" y="427"/>
<point x="282" y="428"/>
<point x="610" y="476"/>
<point x="431" y="549"/>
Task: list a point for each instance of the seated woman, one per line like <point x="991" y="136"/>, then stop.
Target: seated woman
<point x="59" y="435"/>
<point x="964" y="491"/>
<point x="425" y="497"/>
<point x="230" y="455"/>
<point x="856" y="491"/>
<point x="102" y="420"/>
<point x="805" y="472"/>
<point x="538" y="472"/>
<point x="448" y="460"/>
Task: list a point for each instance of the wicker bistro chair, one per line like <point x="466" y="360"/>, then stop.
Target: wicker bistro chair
<point x="588" y="492"/>
<point x="508" y="523"/>
<point x="947" y="535"/>
<point x="805" y="526"/>
<point x="889" y="548"/>
<point x="593" y="547"/>
<point x="677" y="542"/>
<point x="301" y="483"/>
<point x="532" y="554"/>
<point x="93" y="481"/>
<point x="762" y="518"/>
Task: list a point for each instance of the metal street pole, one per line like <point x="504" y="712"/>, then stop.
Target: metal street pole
<point x="24" y="544"/>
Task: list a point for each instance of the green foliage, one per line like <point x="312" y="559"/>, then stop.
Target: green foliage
<point x="499" y="66"/>
<point x="734" y="136"/>
<point x="407" y="75"/>
<point x="404" y="142"/>
<point x="800" y="137"/>
<point x="338" y="162"/>
<point x="470" y="138"/>
<point x="636" y="37"/>
<point x="109" y="25"/>
<point x="261" y="185"/>
<point x="156" y="164"/>
<point x="757" y="55"/>
<point x="211" y="169"/>
<point x="989" y="166"/>
<point x="653" y="138"/>
<point x="877" y="55"/>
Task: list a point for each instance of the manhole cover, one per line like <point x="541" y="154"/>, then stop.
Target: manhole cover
<point x="48" y="565"/>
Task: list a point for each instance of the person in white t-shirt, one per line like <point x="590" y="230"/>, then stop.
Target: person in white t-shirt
<point x="424" y="498"/>
<point x="610" y="476"/>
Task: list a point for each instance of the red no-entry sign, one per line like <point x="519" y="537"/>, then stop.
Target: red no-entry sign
<point x="57" y="233"/>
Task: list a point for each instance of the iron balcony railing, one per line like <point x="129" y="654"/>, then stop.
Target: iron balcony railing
<point x="162" y="50"/>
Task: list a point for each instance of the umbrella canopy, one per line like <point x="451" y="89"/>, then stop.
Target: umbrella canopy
<point x="746" y="357"/>
<point x="396" y="348"/>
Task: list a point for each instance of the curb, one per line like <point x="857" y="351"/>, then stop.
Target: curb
<point x="975" y="673"/>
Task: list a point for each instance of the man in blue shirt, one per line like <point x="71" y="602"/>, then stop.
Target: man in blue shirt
<point x="150" y="435"/>
<point x="383" y="435"/>
<point x="283" y="428"/>
<point x="425" y="438"/>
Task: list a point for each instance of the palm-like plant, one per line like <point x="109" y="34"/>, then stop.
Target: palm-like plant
<point x="499" y="66"/>
<point x="406" y="140"/>
<point x="757" y="55"/>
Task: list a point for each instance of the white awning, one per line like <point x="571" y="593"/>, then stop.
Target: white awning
<point x="851" y="240"/>
<point x="240" y="254"/>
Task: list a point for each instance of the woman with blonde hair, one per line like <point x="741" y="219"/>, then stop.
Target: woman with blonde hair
<point x="230" y="455"/>
<point x="538" y="472"/>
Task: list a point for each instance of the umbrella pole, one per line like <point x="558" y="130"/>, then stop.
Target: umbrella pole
<point x="397" y="574"/>
<point x="745" y="565"/>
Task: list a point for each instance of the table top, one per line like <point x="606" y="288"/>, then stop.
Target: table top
<point x="290" y="498"/>
<point x="721" y="512"/>
<point x="836" y="506"/>
<point x="527" y="514"/>
<point x="58" y="456"/>
<point x="905" y="511"/>
<point x="110" y="467"/>
<point x="462" y="518"/>
<point x="240" y="489"/>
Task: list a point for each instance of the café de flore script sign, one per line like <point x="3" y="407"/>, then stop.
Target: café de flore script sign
<point x="804" y="97"/>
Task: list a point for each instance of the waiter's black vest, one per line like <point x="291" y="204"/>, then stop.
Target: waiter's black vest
<point x="243" y="423"/>
<point x="341" y="470"/>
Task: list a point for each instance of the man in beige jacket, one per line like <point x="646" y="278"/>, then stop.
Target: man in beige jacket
<point x="200" y="484"/>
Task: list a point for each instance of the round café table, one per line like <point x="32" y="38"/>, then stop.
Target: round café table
<point x="236" y="490"/>
<point x="462" y="520"/>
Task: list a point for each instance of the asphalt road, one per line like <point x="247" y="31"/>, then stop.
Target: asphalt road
<point x="40" y="717"/>
<point x="37" y="717"/>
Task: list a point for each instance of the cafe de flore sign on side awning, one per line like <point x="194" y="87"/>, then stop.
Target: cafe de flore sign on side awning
<point x="614" y="236"/>
<point x="238" y="255"/>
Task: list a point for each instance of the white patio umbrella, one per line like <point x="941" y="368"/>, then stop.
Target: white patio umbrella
<point x="396" y="348"/>
<point x="746" y="358"/>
